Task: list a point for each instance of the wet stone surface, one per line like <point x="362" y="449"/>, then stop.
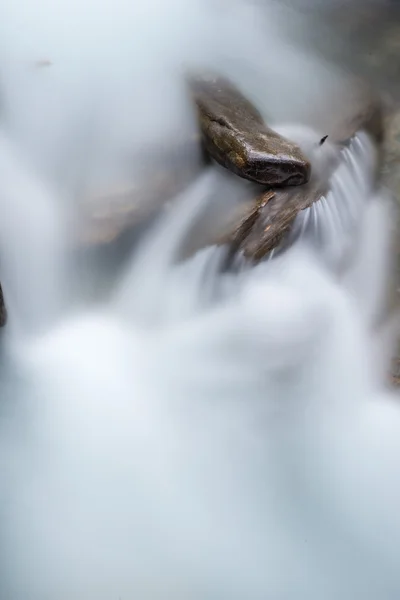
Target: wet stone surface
<point x="235" y="135"/>
<point x="367" y="36"/>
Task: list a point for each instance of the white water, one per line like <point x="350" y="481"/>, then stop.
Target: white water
<point x="199" y="435"/>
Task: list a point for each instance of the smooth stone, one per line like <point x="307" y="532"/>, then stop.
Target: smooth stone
<point x="235" y="135"/>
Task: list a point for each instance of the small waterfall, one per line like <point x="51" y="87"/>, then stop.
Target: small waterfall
<point x="201" y="432"/>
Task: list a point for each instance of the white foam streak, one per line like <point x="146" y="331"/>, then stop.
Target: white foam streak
<point x="233" y="451"/>
<point x="33" y="241"/>
<point x="368" y="277"/>
<point x="332" y="224"/>
<point x="150" y="272"/>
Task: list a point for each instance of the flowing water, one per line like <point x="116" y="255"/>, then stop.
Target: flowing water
<point x="200" y="432"/>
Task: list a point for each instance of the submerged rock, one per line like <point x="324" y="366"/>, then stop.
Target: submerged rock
<point x="165" y="173"/>
<point x="235" y="135"/>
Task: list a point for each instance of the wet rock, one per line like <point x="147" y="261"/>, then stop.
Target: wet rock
<point x="391" y="151"/>
<point x="165" y="173"/>
<point x="235" y="135"/>
<point x="265" y="223"/>
<point x="3" y="309"/>
<point x="257" y="225"/>
<point x="369" y="116"/>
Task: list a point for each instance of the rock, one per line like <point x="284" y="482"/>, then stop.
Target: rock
<point x="258" y="224"/>
<point x="265" y="223"/>
<point x="165" y="174"/>
<point x="3" y="310"/>
<point x="236" y="136"/>
<point x="369" y="116"/>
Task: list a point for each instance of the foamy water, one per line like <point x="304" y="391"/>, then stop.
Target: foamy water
<point x="200" y="433"/>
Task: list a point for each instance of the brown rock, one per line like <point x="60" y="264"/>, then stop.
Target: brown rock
<point x="235" y="135"/>
<point x="3" y="310"/>
<point x="270" y="218"/>
<point x="256" y="226"/>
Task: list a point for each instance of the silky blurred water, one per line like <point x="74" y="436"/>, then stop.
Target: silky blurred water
<point x="201" y="432"/>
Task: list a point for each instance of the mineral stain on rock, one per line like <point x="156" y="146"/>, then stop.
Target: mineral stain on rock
<point x="235" y="135"/>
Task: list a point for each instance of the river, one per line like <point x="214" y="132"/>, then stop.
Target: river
<point x="195" y="432"/>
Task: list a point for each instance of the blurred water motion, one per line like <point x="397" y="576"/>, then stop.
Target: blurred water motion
<point x="194" y="432"/>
